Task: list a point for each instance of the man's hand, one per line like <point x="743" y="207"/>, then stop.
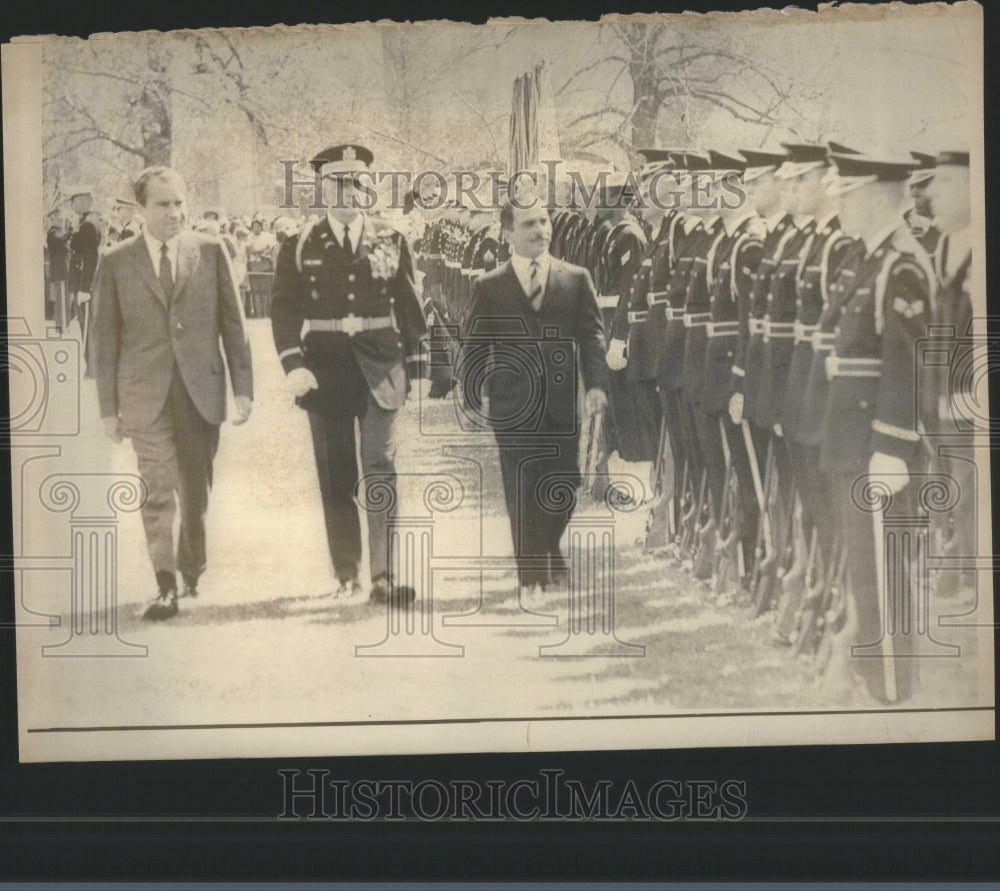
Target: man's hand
<point x="616" y="355"/>
<point x="736" y="407"/>
<point x="300" y="381"/>
<point x="113" y="429"/>
<point x="889" y="470"/>
<point x="595" y="401"/>
<point x="243" y="406"/>
<point x="83" y="297"/>
<point x="779" y="431"/>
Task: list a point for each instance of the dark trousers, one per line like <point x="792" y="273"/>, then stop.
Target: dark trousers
<point x="749" y="507"/>
<point x="335" y="449"/>
<point x="540" y="478"/>
<point x="885" y="630"/>
<point x="175" y="455"/>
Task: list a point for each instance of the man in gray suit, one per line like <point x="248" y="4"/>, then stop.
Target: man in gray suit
<point x="164" y="301"/>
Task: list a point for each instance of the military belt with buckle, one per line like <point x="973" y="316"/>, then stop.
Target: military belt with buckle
<point x="675" y="313"/>
<point x="634" y="317"/>
<point x="348" y="325"/>
<point x="718" y="329"/>
<point x="696" y="319"/>
<point x="607" y="301"/>
<point x="804" y="333"/>
<point x="657" y="298"/>
<point x="756" y="326"/>
<point x="839" y="366"/>
<point x="778" y="330"/>
<point x="823" y="340"/>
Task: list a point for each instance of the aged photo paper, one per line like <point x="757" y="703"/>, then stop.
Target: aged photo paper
<point x="528" y="386"/>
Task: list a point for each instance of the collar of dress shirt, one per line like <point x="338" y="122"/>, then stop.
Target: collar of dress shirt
<point x="772" y="221"/>
<point x="690" y="222"/>
<point x="153" y="246"/>
<point x="872" y="243"/>
<point x="733" y="222"/>
<point x="522" y="267"/>
<point x="354" y="228"/>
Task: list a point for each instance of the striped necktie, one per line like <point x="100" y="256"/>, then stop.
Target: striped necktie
<point x="535" y="287"/>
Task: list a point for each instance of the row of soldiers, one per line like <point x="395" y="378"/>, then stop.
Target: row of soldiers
<point x="764" y="310"/>
<point x="764" y="329"/>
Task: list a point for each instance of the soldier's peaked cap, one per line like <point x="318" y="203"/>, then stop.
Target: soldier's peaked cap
<point x="840" y="149"/>
<point x="653" y="155"/>
<point x="884" y="168"/>
<point x="762" y="158"/>
<point x="343" y="159"/>
<point x="953" y="159"/>
<point x="804" y="152"/>
<point x="726" y="161"/>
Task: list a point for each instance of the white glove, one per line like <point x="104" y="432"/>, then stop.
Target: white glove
<point x="890" y="470"/>
<point x="300" y="381"/>
<point x="778" y="431"/>
<point x="736" y="407"/>
<point x="83" y="297"/>
<point x="616" y="355"/>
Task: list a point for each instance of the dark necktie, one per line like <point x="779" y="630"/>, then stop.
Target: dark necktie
<point x="347" y="241"/>
<point x="535" y="287"/>
<point x="166" y="277"/>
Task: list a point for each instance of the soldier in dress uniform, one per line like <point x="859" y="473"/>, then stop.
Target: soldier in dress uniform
<point x="633" y="398"/>
<point x="705" y="203"/>
<point x="729" y="282"/>
<point x="920" y="217"/>
<point x="85" y="247"/>
<point x="349" y="330"/>
<point x="128" y="224"/>
<point x="870" y="425"/>
<point x="819" y="259"/>
<point x="949" y="194"/>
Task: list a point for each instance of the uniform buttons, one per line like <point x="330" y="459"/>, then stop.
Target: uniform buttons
<point x="315" y="294"/>
<point x="351" y="277"/>
<point x="729" y="355"/>
<point x="863" y="404"/>
<point x="350" y="296"/>
<point x="180" y="327"/>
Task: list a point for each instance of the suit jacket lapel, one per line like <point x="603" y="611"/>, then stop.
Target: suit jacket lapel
<point x="187" y="258"/>
<point x="144" y="266"/>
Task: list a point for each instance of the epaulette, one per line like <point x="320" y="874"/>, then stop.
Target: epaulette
<point x="302" y="236"/>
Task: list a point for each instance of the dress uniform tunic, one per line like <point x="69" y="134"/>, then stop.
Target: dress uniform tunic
<point x="354" y="320"/>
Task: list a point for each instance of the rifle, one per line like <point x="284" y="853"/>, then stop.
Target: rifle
<point x="592" y="449"/>
<point x="691" y="516"/>
<point x="834" y="607"/>
<point x="680" y="504"/>
<point x="727" y="548"/>
<point x="658" y="525"/>
<point x="791" y="583"/>
<point x="816" y="582"/>
<point x="765" y="556"/>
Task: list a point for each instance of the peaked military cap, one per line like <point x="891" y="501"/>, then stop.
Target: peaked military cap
<point x="726" y="161"/>
<point x="763" y="158"/>
<point x="952" y="159"/>
<point x="840" y="149"/>
<point x="343" y="159"/>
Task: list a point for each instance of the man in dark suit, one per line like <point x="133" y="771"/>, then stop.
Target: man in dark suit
<point x="534" y="325"/>
<point x="349" y="330"/>
<point x="163" y="302"/>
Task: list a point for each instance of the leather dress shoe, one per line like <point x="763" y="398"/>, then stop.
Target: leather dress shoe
<point x="163" y="607"/>
<point x="384" y="591"/>
<point x="348" y="589"/>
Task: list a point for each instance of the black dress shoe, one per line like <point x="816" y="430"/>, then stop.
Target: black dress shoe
<point x="163" y="607"/>
<point x="384" y="591"/>
<point x="348" y="589"/>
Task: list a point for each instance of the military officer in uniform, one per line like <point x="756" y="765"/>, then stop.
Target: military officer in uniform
<point x="349" y="330"/>
<point x="870" y="425"/>
<point x="85" y="247"/>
